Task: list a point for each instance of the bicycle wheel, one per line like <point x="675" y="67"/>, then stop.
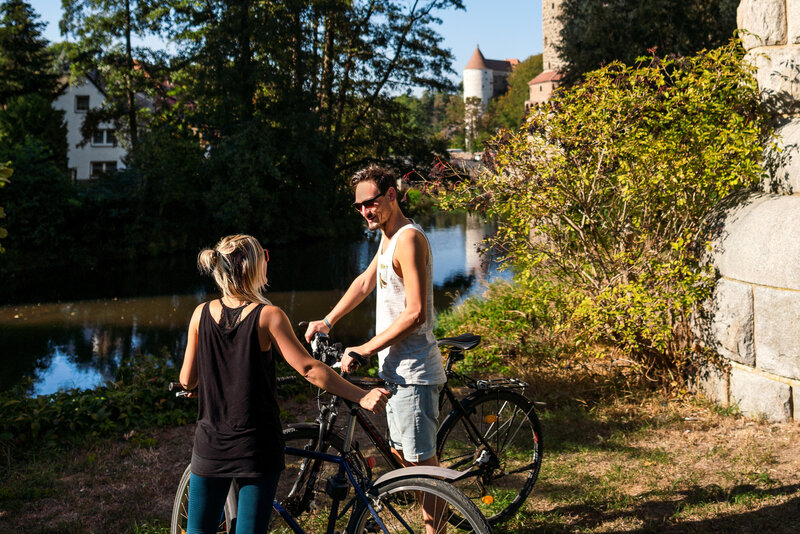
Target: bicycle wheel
<point x="503" y="473"/>
<point x="301" y="489"/>
<point x="399" y="505"/>
<point x="180" y="510"/>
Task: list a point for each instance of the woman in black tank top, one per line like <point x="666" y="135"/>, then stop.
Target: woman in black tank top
<point x="230" y="351"/>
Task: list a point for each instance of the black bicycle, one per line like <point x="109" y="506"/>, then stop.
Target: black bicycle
<point x="400" y="501"/>
<point x="492" y="436"/>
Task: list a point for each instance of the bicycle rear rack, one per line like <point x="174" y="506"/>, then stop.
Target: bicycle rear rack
<point x="501" y="383"/>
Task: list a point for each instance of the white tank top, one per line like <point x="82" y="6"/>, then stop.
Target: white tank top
<point x="415" y="359"/>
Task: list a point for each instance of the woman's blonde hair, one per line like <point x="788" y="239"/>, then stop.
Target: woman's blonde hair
<point x="237" y="265"/>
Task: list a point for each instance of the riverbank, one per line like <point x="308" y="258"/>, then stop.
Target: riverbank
<point x="614" y="461"/>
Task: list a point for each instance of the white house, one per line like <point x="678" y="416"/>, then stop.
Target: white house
<point x="102" y="153"/>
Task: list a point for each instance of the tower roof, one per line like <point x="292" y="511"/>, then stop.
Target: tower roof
<point x="477" y="61"/>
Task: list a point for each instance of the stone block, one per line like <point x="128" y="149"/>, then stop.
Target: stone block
<point x="778" y="76"/>
<point x="758" y="242"/>
<point x="777" y="314"/>
<point x="796" y="403"/>
<point x="730" y="321"/>
<point x="765" y="22"/>
<point x="758" y="396"/>
<point x="713" y="382"/>
<point x="793" y="20"/>
<point x="783" y="164"/>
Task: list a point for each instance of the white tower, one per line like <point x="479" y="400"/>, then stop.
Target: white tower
<point x="478" y="82"/>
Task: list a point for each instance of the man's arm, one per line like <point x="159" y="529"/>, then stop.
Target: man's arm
<point x="355" y="294"/>
<point x="411" y="256"/>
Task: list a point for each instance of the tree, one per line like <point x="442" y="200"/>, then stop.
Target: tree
<point x="5" y="174"/>
<point x="597" y="32"/>
<point x="105" y="31"/>
<point x="605" y="189"/>
<point x="508" y="110"/>
<point x="291" y="96"/>
<point x="25" y="63"/>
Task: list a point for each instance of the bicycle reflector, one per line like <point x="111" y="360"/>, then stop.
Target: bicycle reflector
<point x="491" y="418"/>
<point x="371" y="461"/>
<point x="487" y="499"/>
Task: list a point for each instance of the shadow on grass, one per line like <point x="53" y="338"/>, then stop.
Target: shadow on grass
<point x="583" y="414"/>
<point x="659" y="515"/>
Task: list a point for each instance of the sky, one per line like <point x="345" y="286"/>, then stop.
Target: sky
<point x="503" y="29"/>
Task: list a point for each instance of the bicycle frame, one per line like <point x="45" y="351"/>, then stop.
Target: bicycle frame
<point x="333" y="515"/>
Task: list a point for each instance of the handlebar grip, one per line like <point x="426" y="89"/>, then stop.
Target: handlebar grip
<point x="361" y="361"/>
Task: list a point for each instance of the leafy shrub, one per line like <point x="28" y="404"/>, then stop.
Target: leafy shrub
<point x="518" y="324"/>
<point x="139" y="398"/>
<point x="603" y="192"/>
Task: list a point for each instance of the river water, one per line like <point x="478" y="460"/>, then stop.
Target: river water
<point x="73" y="328"/>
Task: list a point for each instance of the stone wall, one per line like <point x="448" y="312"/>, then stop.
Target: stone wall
<point x="755" y="313"/>
<point x="551" y="32"/>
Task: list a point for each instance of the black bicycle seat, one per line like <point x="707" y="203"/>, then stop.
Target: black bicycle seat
<point x="462" y="342"/>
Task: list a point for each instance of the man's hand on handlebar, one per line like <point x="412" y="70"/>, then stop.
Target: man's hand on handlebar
<point x="353" y="359"/>
<point x="316" y="326"/>
<point x="375" y="400"/>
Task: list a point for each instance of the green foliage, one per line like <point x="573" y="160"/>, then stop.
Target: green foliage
<point x="25" y="62"/>
<point x="604" y="192"/>
<point x="598" y="32"/>
<point x="517" y="323"/>
<point x="5" y="173"/>
<point x="508" y="110"/>
<point x="139" y="398"/>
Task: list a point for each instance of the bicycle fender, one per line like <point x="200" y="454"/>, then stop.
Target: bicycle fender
<point x="431" y="471"/>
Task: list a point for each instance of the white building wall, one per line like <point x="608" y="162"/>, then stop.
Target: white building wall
<point x="79" y="159"/>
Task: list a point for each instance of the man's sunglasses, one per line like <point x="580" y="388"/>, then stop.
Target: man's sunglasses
<point x="370" y="202"/>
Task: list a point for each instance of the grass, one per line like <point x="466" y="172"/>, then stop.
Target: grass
<point x="637" y="462"/>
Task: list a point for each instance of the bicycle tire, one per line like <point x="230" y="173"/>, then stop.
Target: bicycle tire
<point x="508" y="422"/>
<point x="398" y="504"/>
<point x="180" y="508"/>
<point x="305" y="503"/>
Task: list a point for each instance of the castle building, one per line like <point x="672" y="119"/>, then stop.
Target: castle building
<point x="542" y="86"/>
<point x="486" y="78"/>
<point x="483" y="80"/>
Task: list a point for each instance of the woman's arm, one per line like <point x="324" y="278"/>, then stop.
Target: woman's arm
<point x="277" y="325"/>
<point x="188" y="376"/>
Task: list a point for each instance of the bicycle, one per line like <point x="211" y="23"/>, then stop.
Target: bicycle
<point x="391" y="503"/>
<point x="492" y="437"/>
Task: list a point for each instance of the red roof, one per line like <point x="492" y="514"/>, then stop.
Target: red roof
<point x="547" y="76"/>
<point x="477" y="61"/>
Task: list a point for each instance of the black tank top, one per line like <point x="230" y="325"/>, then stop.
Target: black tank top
<point x="238" y="426"/>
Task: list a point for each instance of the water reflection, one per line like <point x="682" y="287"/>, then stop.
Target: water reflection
<point x="81" y="342"/>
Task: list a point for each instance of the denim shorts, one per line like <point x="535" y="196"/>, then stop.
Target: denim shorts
<point x="412" y="413"/>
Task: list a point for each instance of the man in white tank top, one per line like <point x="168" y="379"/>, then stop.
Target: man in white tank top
<point x="408" y="357"/>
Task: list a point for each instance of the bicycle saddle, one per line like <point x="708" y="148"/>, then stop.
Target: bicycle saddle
<point x="462" y="342"/>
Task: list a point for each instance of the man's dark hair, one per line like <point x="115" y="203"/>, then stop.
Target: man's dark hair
<point x="382" y="177"/>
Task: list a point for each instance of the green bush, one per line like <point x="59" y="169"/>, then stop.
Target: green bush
<point x="604" y="190"/>
<point x="519" y="325"/>
<point x="139" y="398"/>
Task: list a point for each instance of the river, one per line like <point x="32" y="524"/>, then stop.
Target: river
<point x="73" y="328"/>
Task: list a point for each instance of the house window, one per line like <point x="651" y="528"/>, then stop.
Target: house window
<point x="102" y="167"/>
<point x="104" y="137"/>
<point x="82" y="103"/>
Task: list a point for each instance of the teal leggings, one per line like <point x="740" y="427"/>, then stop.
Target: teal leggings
<point x="207" y="501"/>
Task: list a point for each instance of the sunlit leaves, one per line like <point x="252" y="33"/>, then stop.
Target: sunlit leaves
<point x="605" y="189"/>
